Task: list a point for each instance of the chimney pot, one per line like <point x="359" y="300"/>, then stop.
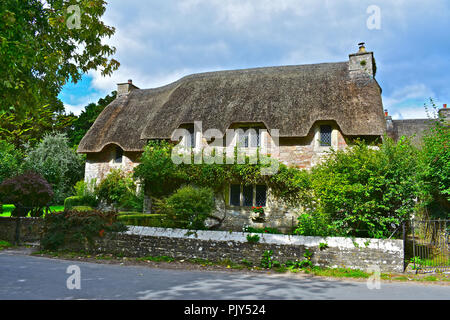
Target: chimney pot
<point x="362" y="48"/>
<point x="445" y="105"/>
<point x="386" y="113"/>
<point x="130" y="81"/>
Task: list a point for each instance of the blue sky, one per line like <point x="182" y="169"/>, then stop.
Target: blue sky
<point x="158" y="42"/>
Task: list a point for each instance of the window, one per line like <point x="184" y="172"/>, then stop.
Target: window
<point x="235" y="195"/>
<point x="250" y="137"/>
<point x="260" y="195"/>
<point x="118" y="156"/>
<point x="191" y="136"/>
<point x="325" y="136"/>
<point x="248" y="195"/>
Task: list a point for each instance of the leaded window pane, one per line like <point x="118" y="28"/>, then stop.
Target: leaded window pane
<point x="247" y="192"/>
<point x="325" y="136"/>
<point x="118" y="155"/>
<point x="261" y="195"/>
<point x="235" y="195"/>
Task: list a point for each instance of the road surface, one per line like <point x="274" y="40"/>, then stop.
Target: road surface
<point x="27" y="277"/>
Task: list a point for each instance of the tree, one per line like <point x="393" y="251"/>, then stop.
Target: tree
<point x="45" y="44"/>
<point x="10" y="160"/>
<point x="436" y="167"/>
<point x="30" y="129"/>
<point x="29" y="193"/>
<point x="60" y="165"/>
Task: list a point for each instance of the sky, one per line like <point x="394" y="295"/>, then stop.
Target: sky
<point x="160" y="41"/>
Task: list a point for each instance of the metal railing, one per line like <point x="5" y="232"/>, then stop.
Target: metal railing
<point x="431" y="245"/>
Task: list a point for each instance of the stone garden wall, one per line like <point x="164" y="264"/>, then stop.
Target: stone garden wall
<point x="219" y="245"/>
<point x="30" y="229"/>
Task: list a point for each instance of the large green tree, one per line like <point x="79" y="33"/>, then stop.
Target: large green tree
<point x="435" y="174"/>
<point x="45" y="44"/>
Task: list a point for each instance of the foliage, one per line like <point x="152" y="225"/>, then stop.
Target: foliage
<point x="157" y="170"/>
<point x="162" y="177"/>
<point x="119" y="190"/>
<point x="292" y="185"/>
<point x="189" y="206"/>
<point x="76" y="202"/>
<point x="267" y="259"/>
<point x="259" y="210"/>
<point x="253" y="238"/>
<point x="31" y="127"/>
<point x="366" y="191"/>
<point x="85" y="191"/>
<point x="57" y="163"/>
<point x="436" y="168"/>
<point x="77" y="227"/>
<point x="261" y="230"/>
<point x="315" y="224"/>
<point x="39" y="50"/>
<point x="144" y="220"/>
<point x="323" y="246"/>
<point x="28" y="192"/>
<point x="10" y="161"/>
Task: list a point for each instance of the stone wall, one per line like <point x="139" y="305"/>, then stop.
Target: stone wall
<point x="218" y="245"/>
<point x="99" y="165"/>
<point x="30" y="229"/>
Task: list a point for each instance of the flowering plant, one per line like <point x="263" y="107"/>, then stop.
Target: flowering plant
<point x="258" y="214"/>
<point x="259" y="210"/>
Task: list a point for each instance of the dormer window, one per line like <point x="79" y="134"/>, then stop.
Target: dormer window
<point x="191" y="139"/>
<point x="325" y="136"/>
<point x="250" y="137"/>
<point x="118" y="155"/>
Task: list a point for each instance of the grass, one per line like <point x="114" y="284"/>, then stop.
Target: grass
<point x="4" y="245"/>
<point x="8" y="208"/>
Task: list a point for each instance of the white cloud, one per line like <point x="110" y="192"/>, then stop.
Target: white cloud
<point x="159" y="42"/>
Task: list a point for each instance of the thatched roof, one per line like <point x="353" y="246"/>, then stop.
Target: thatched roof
<point x="290" y="98"/>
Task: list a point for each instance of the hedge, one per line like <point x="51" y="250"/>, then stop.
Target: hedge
<point x="71" y="202"/>
<point x="146" y="220"/>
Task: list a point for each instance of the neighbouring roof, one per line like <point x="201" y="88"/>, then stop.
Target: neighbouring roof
<point x="289" y="98"/>
<point x="410" y="128"/>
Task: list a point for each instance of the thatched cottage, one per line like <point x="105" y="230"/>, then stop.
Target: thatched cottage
<point x="312" y="107"/>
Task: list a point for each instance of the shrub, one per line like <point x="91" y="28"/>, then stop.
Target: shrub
<point x="86" y="192"/>
<point x="10" y="160"/>
<point x="157" y="170"/>
<point x="315" y="224"/>
<point x="435" y="162"/>
<point x="72" y="227"/>
<point x="70" y="202"/>
<point x="119" y="190"/>
<point x="144" y="220"/>
<point x="28" y="192"/>
<point x="253" y="238"/>
<point x="60" y="165"/>
<point x="188" y="207"/>
<point x="365" y="191"/>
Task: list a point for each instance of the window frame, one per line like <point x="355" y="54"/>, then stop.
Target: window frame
<point x="118" y="155"/>
<point x="242" y="203"/>
<point x="322" y="132"/>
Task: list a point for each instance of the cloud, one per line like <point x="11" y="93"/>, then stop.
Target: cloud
<point x="159" y="42"/>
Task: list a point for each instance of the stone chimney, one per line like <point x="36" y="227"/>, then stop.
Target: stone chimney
<point x="389" y="124"/>
<point x="362" y="63"/>
<point x="125" y="88"/>
<point x="445" y="113"/>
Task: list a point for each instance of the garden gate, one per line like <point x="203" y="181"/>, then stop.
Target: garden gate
<point x="431" y="242"/>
